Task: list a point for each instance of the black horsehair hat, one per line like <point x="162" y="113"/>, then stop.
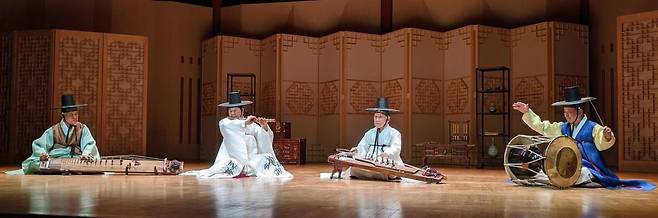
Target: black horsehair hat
<point x="68" y="104"/>
<point x="572" y="98"/>
<point x="382" y="106"/>
<point x="234" y="101"/>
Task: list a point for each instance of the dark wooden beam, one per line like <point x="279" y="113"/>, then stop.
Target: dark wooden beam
<point x="216" y="17"/>
<point x="386" y="23"/>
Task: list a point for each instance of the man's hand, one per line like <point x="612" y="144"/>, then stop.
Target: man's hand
<point x="43" y="157"/>
<point x="521" y="107"/>
<point x="263" y="123"/>
<point x="353" y="149"/>
<point x="250" y="120"/>
<point x="607" y="133"/>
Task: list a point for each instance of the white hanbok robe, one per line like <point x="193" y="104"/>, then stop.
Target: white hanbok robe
<point x="245" y="149"/>
<point x="389" y="141"/>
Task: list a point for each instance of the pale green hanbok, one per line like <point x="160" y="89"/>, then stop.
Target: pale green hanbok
<point x="46" y="144"/>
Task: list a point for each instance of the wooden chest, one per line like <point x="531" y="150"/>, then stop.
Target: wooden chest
<point x="281" y="130"/>
<point x="290" y="151"/>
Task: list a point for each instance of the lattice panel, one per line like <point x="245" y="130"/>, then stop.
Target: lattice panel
<point x="124" y="84"/>
<point x="457" y="96"/>
<point x="5" y="86"/>
<point x="77" y="72"/>
<point x="485" y="31"/>
<point x="438" y="38"/>
<point x="393" y="91"/>
<point x="463" y="34"/>
<point x="32" y="88"/>
<point x="639" y="86"/>
<point x="539" y="30"/>
<point x="362" y="95"/>
<point x="209" y="98"/>
<point x="299" y="97"/>
<point x="209" y="45"/>
<point x="328" y="98"/>
<point x="267" y="96"/>
<point x="581" y="30"/>
<point x="531" y="91"/>
<point x="427" y="96"/>
<point x="563" y="82"/>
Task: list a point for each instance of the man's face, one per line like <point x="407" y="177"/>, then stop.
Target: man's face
<point x="570" y="114"/>
<point x="71" y="117"/>
<point x="234" y="113"/>
<point x="379" y="120"/>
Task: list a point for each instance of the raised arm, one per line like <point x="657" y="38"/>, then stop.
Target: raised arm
<point x="533" y="121"/>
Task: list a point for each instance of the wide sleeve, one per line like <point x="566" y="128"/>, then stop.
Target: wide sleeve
<point x="599" y="139"/>
<point x="545" y="127"/>
<point x="252" y="129"/>
<point x="39" y="146"/>
<point x="396" y="145"/>
<point x="264" y="138"/>
<point x="362" y="147"/>
<point x="43" y="144"/>
<point x="88" y="144"/>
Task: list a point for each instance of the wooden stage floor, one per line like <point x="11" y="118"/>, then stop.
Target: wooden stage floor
<point x="466" y="193"/>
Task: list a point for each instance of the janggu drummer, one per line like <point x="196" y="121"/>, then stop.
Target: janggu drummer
<point x="590" y="137"/>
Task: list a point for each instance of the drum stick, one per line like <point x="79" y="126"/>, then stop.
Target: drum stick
<point x="597" y="113"/>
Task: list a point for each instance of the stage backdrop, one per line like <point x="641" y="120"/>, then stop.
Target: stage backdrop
<point x="322" y="85"/>
<point x="106" y="71"/>
<point x="637" y="91"/>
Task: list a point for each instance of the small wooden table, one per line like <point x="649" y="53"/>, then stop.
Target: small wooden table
<point x="439" y="150"/>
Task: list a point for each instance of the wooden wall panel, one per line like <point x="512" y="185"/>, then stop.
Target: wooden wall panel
<point x="269" y="103"/>
<point x="31" y="90"/>
<point x="571" y="60"/>
<point x="125" y="61"/>
<point x="531" y="82"/>
<point x="6" y="57"/>
<point x="426" y="55"/>
<point x="637" y="91"/>
<point x="238" y="56"/>
<point x="77" y="71"/>
<point x="493" y="46"/>
<point x="395" y="83"/>
<point x="330" y="98"/>
<point x="299" y="85"/>
<point x="362" y="56"/>
<point x="210" y="98"/>
<point x="459" y="78"/>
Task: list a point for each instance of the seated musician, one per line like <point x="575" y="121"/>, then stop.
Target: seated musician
<point x="68" y="138"/>
<point x="590" y="137"/>
<point x="246" y="149"/>
<point x="382" y="141"/>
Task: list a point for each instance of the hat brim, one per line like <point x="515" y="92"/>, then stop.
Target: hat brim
<point x="243" y="103"/>
<point x="381" y="109"/>
<point x="569" y="103"/>
<point x="71" y="106"/>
